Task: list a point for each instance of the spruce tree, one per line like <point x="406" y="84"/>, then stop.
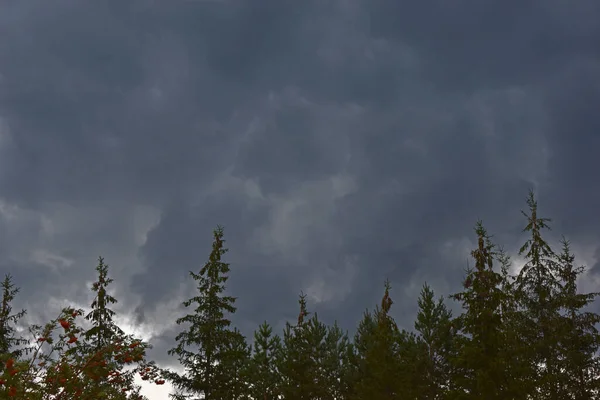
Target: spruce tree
<point x="350" y="373"/>
<point x="102" y="333"/>
<point x="326" y="347"/>
<point x="311" y="358"/>
<point x="316" y="332"/>
<point x="9" y="343"/>
<point x="538" y="289"/>
<point x="579" y="338"/>
<point x="103" y="329"/>
<point x="519" y="368"/>
<point x="234" y="368"/>
<point x="378" y="363"/>
<point x="333" y="363"/>
<point x="435" y="334"/>
<point x="295" y="362"/>
<point x="263" y="374"/>
<point x="204" y="345"/>
<point x="481" y="367"/>
<point x="357" y="373"/>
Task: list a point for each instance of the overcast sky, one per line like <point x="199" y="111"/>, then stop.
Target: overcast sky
<point x="339" y="142"/>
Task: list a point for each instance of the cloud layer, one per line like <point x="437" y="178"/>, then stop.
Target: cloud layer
<point x="338" y="142"/>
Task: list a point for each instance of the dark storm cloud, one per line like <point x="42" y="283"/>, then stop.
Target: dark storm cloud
<point x="473" y="44"/>
<point x="338" y="142"/>
<point x="574" y="96"/>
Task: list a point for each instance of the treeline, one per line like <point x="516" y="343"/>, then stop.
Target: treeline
<point x="529" y="336"/>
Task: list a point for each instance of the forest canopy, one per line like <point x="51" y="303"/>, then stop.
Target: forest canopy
<point x="525" y="335"/>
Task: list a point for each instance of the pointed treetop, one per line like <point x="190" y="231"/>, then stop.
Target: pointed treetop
<point x="537" y="274"/>
<point x="101" y="316"/>
<point x="568" y="272"/>
<point x="303" y="312"/>
<point x="532" y="203"/>
<point x="218" y="245"/>
<point x="535" y="226"/>
<point x="8" y="321"/>
<point x="386" y="301"/>
<point x="484" y="254"/>
<point x="207" y="348"/>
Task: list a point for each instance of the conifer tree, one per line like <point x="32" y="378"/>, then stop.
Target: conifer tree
<point x="350" y="373"/>
<point x="538" y="289"/>
<point x="315" y="336"/>
<point x="295" y="362"/>
<point x="481" y="366"/>
<point x="9" y="343"/>
<point x="519" y="368"/>
<point x="357" y="373"/>
<point x="377" y="343"/>
<point x="103" y="328"/>
<point x="205" y="343"/>
<point x="263" y="373"/>
<point x="104" y="331"/>
<point x="435" y="334"/>
<point x="311" y="358"/>
<point x="326" y="347"/>
<point x="234" y="368"/>
<point x="335" y="357"/>
<point x="579" y="337"/>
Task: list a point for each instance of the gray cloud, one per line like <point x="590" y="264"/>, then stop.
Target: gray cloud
<point x="338" y="142"/>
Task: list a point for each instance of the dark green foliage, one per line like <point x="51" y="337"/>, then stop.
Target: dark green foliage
<point x="314" y="341"/>
<point x="350" y="372"/>
<point x="263" y="373"/>
<point x="311" y="358"/>
<point x="295" y="362"/>
<point x="10" y="345"/>
<point x="208" y="341"/>
<point x="532" y="336"/>
<point x="481" y="366"/>
<point x="234" y="368"/>
<point x="435" y="342"/>
<point x="358" y="373"/>
<point x="336" y="348"/>
<point x="103" y="328"/>
<point x="519" y="367"/>
<point x="578" y="336"/>
<point x="379" y="369"/>
<point x="327" y="348"/>
<point x="538" y="292"/>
